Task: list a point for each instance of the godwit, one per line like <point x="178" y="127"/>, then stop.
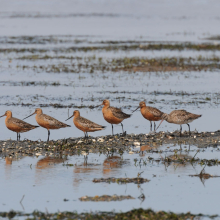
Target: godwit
<point x="84" y="124"/>
<point x="17" y="125"/>
<point x="113" y="115"/>
<point x="179" y="117"/>
<point x="150" y="113"/>
<point x="47" y="121"/>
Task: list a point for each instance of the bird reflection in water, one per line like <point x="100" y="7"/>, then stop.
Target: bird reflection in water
<point x="147" y="148"/>
<point x="178" y="160"/>
<point x="84" y="168"/>
<point x="112" y="162"/>
<point x="45" y="167"/>
<point x="8" y="160"/>
<point x="49" y="162"/>
<point x="8" y="165"/>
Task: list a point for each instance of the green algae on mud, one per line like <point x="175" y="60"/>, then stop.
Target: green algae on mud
<point x="54" y="105"/>
<point x="137" y="180"/>
<point x="46" y="57"/>
<point x="170" y="97"/>
<point x="134" y="64"/>
<point x="133" y="214"/>
<point x="163" y="64"/>
<point x="125" y="46"/>
<point x="104" y="198"/>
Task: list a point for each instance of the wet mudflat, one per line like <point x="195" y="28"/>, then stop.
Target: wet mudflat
<point x="62" y="57"/>
<point x="60" y="176"/>
<point x="44" y="175"/>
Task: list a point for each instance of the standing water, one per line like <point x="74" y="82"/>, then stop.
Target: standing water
<point x="71" y="55"/>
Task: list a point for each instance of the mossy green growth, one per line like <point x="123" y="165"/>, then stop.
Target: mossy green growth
<point x="133" y="214"/>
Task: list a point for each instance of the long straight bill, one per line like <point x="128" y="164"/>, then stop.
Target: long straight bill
<point x="159" y="124"/>
<point x="136" y="109"/>
<point x="2" y="115"/>
<point x="29" y="116"/>
<point x="69" y="118"/>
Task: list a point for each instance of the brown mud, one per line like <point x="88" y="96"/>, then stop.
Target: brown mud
<point x="110" y="144"/>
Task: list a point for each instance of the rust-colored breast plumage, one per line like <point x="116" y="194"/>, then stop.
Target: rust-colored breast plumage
<point x="49" y="122"/>
<point x="114" y="115"/>
<point x="151" y="114"/>
<point x="17" y="125"/>
<point x="86" y="125"/>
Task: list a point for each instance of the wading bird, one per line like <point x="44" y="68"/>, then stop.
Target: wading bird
<point x="113" y="115"/>
<point x="84" y="124"/>
<point x="17" y="125"/>
<point x="47" y="121"/>
<point x="150" y="113"/>
<point x="179" y="117"/>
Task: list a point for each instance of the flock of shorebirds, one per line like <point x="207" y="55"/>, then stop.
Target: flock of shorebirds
<point x="111" y="114"/>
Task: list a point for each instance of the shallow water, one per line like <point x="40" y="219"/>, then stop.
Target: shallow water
<point x="56" y="55"/>
<point x="157" y="20"/>
<point x="187" y="93"/>
<point x="46" y="182"/>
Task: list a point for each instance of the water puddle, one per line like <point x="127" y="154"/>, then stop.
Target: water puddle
<point x="56" y="183"/>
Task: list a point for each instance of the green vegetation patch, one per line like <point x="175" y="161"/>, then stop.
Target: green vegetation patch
<point x="118" y="46"/>
<point x="134" y="64"/>
<point x="104" y="198"/>
<point x="137" y="180"/>
<point x="140" y="214"/>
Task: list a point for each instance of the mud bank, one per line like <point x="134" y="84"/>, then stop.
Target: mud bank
<point x="130" y="143"/>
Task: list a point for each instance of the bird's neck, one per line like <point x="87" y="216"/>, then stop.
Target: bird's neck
<point x="105" y="107"/>
<point x="166" y="117"/>
<point x="8" y="117"/>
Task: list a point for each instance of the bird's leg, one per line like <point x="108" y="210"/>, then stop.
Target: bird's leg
<point x="17" y="136"/>
<point x="86" y="137"/>
<point x="85" y="159"/>
<point x="112" y="130"/>
<point x="48" y="135"/>
<point x="189" y="130"/>
<point x="154" y="125"/>
<point x="150" y="126"/>
<point x="122" y="129"/>
<point x="180" y="130"/>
